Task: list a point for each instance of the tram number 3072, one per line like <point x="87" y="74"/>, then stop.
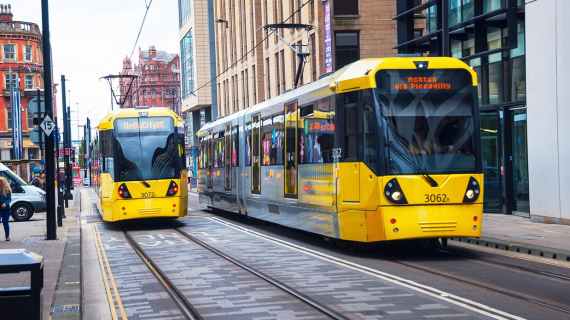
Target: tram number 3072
<point x="147" y="194"/>
<point x="436" y="198"/>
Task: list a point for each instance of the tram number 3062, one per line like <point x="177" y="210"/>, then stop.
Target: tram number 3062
<point x="436" y="198"/>
<point x="147" y="194"/>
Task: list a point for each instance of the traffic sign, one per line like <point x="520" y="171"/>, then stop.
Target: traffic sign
<point x="61" y="151"/>
<point x="67" y="151"/>
<point x="47" y="125"/>
<point x="86" y="156"/>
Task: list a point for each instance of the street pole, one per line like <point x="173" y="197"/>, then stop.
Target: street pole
<point x="50" y="165"/>
<point x="14" y="117"/>
<point x="39" y="114"/>
<point x="65" y="139"/>
<point x="69" y="169"/>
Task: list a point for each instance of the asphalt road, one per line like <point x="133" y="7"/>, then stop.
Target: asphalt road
<point x="525" y="287"/>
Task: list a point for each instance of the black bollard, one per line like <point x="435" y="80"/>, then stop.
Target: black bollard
<point x="59" y="215"/>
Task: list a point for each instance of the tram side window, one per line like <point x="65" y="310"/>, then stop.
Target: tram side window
<point x="369" y="125"/>
<point x="202" y="155"/>
<point x="351" y="137"/>
<point x="272" y="134"/>
<point x="248" y="144"/>
<point x="107" y="152"/>
<point x="219" y="150"/>
<point x="317" y="140"/>
<point x="235" y="146"/>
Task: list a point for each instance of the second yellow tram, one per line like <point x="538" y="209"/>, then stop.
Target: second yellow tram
<point x="141" y="171"/>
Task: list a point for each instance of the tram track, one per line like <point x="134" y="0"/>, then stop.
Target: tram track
<point x="321" y="308"/>
<point x="186" y="306"/>
<point x="187" y="309"/>
<point x="497" y="289"/>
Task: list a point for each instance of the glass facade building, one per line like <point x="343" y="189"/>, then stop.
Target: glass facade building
<point x="488" y="35"/>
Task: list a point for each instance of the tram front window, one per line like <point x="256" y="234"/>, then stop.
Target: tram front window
<point x="147" y="148"/>
<point x="430" y="130"/>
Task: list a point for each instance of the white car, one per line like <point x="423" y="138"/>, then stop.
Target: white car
<point x="26" y="199"/>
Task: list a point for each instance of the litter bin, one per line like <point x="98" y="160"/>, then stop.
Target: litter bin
<point x="22" y="302"/>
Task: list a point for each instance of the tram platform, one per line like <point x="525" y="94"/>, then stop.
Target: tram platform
<point x="59" y="291"/>
<point x="518" y="234"/>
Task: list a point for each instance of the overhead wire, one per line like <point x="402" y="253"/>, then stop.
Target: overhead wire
<point x="140" y="30"/>
<point x="245" y="55"/>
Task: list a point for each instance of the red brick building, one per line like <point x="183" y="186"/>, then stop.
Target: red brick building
<point x="20" y="50"/>
<point x="158" y="82"/>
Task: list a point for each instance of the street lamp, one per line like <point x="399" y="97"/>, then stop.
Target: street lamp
<point x="222" y="21"/>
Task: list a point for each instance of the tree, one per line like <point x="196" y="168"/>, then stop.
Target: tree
<point x="81" y="155"/>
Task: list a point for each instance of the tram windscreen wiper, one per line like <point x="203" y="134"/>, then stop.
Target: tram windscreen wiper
<point x="412" y="164"/>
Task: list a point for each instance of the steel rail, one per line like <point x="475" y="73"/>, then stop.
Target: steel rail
<point x="183" y="304"/>
<point x="278" y="284"/>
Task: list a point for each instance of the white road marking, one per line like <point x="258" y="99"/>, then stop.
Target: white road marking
<point x="457" y="300"/>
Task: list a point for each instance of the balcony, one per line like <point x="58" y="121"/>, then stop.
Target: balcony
<point x="19" y="27"/>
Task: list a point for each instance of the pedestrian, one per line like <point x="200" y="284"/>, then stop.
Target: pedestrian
<point x="5" y="199"/>
<point x="36" y="182"/>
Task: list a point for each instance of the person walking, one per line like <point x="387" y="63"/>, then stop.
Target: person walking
<point x="5" y="199"/>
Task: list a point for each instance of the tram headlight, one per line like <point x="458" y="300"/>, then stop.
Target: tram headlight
<point x="473" y="191"/>
<point x="394" y="193"/>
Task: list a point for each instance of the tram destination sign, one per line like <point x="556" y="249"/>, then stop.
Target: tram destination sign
<point x="146" y="124"/>
<point x="431" y="80"/>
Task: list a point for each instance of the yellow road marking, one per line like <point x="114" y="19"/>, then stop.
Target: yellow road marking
<point x="109" y="296"/>
<point x="534" y="259"/>
<point x="117" y="296"/>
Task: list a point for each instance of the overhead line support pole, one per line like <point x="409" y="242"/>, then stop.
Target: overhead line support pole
<point x="50" y="159"/>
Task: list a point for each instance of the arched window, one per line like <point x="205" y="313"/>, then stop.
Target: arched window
<point x="153" y="94"/>
<point x="151" y="67"/>
<point x="167" y="94"/>
<point x="146" y="67"/>
<point x="144" y="93"/>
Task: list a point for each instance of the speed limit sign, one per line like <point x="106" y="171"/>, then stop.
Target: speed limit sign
<point x="47" y="125"/>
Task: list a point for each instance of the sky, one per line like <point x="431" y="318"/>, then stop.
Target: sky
<point x="90" y="39"/>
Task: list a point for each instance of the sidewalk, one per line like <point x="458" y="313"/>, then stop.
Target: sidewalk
<point x="519" y="234"/>
<point x="30" y="235"/>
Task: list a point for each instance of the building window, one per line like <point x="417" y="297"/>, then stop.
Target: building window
<point x="144" y="93"/>
<point x="345" y="7"/>
<point x="187" y="55"/>
<point x="151" y="67"/>
<point x="9" y="51"/>
<point x="29" y="82"/>
<point x="346" y="48"/>
<point x="166" y="94"/>
<point x="153" y="94"/>
<point x="165" y="78"/>
<point x="30" y="118"/>
<point x="431" y="20"/>
<point x="184" y="10"/>
<point x="27" y="52"/>
<point x="146" y="67"/>
<point x="8" y="118"/>
<point x="6" y="82"/>
<point x="154" y="105"/>
<point x="173" y="78"/>
<point x="152" y="79"/>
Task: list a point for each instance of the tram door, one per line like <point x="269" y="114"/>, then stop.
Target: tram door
<point x="209" y="164"/>
<point x="255" y="155"/>
<point x="291" y="120"/>
<point x="228" y="158"/>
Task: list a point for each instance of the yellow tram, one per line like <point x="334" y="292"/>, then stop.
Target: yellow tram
<point x="383" y="149"/>
<point x="141" y="171"/>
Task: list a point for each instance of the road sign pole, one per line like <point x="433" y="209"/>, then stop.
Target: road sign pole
<point x="50" y="159"/>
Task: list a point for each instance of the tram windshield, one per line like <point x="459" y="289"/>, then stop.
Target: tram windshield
<point x="429" y="121"/>
<point x="146" y="148"/>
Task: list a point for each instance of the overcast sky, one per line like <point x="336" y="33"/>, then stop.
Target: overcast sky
<point x="90" y="39"/>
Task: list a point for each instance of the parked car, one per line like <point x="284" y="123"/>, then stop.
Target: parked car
<point x="26" y="199"/>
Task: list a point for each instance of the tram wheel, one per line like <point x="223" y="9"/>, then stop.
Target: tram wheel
<point x="444" y="242"/>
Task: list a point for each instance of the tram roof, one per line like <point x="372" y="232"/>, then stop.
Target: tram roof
<point x="107" y="121"/>
<point x="358" y="75"/>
